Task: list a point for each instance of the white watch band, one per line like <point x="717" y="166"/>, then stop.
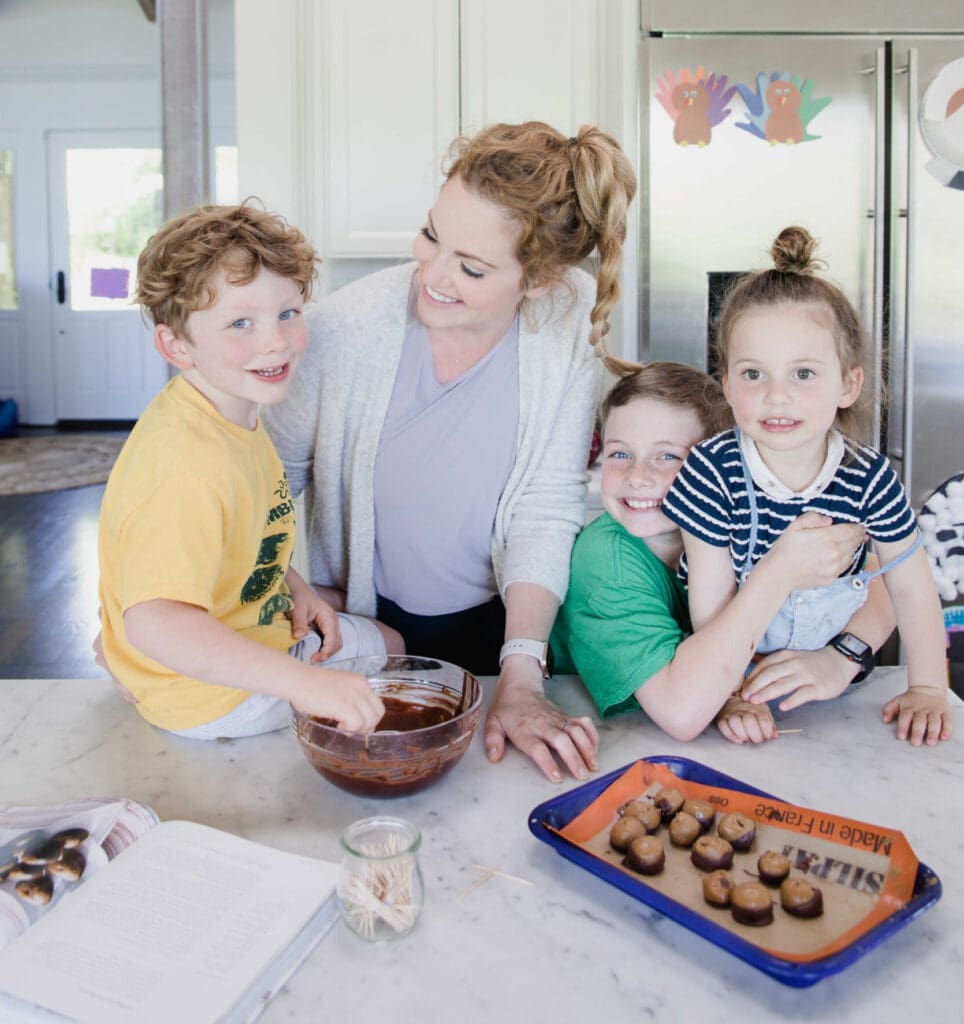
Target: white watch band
<point x="537" y="649"/>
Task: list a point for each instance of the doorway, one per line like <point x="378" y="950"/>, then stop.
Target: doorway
<point x="105" y="201"/>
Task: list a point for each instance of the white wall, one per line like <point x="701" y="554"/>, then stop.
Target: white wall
<point x="76" y="67"/>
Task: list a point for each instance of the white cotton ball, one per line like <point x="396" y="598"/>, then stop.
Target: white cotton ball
<point x="956" y="508"/>
<point x="927" y="524"/>
<point x="936" y="502"/>
<point x="944" y="520"/>
<point x="955" y="489"/>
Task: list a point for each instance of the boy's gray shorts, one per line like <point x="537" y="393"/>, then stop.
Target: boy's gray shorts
<point x="260" y="713"/>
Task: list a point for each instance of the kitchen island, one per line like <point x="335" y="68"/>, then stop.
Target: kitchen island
<point x="567" y="946"/>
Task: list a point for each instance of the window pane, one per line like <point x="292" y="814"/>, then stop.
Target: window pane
<point x="8" y="288"/>
<point x="226" y="175"/>
<point x="114" y="204"/>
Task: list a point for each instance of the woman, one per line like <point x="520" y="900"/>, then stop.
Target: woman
<point x="440" y="422"/>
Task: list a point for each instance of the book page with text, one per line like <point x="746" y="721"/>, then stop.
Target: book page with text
<point x="176" y="928"/>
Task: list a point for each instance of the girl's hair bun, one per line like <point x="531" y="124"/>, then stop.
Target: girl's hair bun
<point x="794" y="251"/>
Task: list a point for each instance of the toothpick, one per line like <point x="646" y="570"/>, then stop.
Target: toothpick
<point x="503" y="874"/>
<point x="488" y="873"/>
<point x="786" y="732"/>
<point x="475" y="885"/>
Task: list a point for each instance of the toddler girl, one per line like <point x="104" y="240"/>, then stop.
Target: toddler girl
<point x="791" y="353"/>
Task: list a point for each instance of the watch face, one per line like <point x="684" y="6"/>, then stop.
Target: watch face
<point x="853" y="647"/>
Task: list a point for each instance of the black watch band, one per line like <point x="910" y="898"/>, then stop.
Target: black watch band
<point x="856" y="650"/>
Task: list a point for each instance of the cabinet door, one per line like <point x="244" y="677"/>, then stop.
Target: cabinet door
<point x="390" y="109"/>
<point x="531" y="61"/>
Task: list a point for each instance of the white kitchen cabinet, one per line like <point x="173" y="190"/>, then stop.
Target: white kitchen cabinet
<point x="536" y="60"/>
<point x="389" y="109"/>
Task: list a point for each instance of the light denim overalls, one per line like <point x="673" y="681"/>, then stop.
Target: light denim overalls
<point x="810" y="619"/>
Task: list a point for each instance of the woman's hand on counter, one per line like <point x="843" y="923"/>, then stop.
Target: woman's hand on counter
<point x="522" y="714"/>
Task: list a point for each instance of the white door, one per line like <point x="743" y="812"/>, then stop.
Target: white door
<point x="105" y="201"/>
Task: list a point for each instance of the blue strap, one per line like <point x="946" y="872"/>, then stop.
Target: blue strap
<point x="748" y="480"/>
<point x="900" y="558"/>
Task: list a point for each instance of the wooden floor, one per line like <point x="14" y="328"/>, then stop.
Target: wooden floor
<point x="48" y="601"/>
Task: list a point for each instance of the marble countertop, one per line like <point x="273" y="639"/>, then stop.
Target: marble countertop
<point x="568" y="947"/>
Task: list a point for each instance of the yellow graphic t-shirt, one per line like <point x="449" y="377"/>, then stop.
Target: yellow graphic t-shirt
<point x="197" y="509"/>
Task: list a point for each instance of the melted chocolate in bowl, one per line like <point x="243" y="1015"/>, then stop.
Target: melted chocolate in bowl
<point x="403" y="716"/>
<point x="421" y="736"/>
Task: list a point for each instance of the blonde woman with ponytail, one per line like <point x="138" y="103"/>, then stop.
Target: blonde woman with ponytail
<point x="440" y="422"/>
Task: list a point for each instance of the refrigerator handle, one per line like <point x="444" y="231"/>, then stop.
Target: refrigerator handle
<point x="907" y="398"/>
<point x="879" y="215"/>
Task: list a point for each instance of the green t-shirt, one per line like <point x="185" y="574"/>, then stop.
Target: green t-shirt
<point x="623" y="618"/>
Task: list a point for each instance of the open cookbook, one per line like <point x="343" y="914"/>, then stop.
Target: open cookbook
<point x="108" y="915"/>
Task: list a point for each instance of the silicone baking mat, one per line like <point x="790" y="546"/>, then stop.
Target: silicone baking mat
<point x="871" y="881"/>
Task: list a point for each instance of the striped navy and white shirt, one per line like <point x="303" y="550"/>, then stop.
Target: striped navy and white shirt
<point x="709" y="499"/>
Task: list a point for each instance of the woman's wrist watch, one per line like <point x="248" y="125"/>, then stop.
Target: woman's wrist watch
<point x="538" y="649"/>
<point x="856" y="650"/>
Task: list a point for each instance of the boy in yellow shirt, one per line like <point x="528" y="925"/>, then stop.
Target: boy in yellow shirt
<point x="197" y="523"/>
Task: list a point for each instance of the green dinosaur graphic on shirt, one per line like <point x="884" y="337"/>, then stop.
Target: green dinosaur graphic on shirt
<point x="279" y="604"/>
<point x="270" y="547"/>
<point x="260" y="582"/>
<point x="267" y="573"/>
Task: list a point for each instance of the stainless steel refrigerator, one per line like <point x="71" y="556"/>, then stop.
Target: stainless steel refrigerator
<point x="874" y="169"/>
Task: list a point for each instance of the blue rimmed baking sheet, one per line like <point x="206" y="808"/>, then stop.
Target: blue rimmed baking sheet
<point x="557" y="813"/>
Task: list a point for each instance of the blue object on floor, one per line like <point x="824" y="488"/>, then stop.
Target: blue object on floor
<point x="8" y="417"/>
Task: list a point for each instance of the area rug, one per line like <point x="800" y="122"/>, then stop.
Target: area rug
<point x="54" y="462"/>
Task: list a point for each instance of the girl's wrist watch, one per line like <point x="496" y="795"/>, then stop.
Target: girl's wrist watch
<point x="538" y="649"/>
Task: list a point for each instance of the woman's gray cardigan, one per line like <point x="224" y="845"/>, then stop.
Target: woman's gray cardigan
<point x="327" y="431"/>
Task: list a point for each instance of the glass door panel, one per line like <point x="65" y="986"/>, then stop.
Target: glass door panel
<point x="8" y="284"/>
<point x="114" y="205"/>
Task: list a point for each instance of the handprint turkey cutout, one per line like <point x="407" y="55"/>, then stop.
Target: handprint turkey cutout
<point x="780" y="108"/>
<point x="696" y="101"/>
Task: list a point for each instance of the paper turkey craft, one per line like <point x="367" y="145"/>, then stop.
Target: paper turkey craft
<point x="696" y="101"/>
<point x="781" y="108"/>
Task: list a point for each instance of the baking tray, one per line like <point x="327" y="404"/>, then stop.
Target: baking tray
<point x="560" y="811"/>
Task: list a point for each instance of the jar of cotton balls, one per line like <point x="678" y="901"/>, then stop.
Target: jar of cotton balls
<point x="380" y="891"/>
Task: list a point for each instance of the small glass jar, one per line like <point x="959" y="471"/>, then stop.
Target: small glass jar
<point x="380" y="891"/>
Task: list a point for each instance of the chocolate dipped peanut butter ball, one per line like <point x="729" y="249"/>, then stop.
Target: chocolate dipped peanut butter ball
<point x="625" y="831"/>
<point x="42" y="853"/>
<point x="709" y="853"/>
<point x="703" y="811"/>
<point x="646" y="855"/>
<point x="684" y="829"/>
<point x="772" y="867"/>
<point x="801" y="898"/>
<point x="669" y="801"/>
<point x="751" y="903"/>
<point x="644" y="811"/>
<point x="738" y="830"/>
<point x="717" y="888"/>
<point x="38" y="891"/>
<point x="70" y="837"/>
<point x="70" y="866"/>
